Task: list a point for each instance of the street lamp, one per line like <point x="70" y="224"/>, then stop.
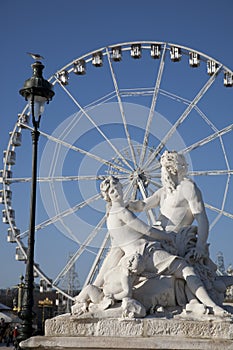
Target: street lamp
<point x="36" y="91"/>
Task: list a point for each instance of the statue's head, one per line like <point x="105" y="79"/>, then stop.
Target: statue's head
<point x="174" y="169"/>
<point x="174" y="162"/>
<point x="135" y="263"/>
<point x="109" y="186"/>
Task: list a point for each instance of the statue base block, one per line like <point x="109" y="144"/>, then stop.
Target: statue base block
<point x="71" y="333"/>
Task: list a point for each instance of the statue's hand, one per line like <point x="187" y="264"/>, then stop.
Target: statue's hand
<point x="148" y="275"/>
<point x="171" y="238"/>
<point x="199" y="251"/>
<point x="169" y="244"/>
<point x="136" y="205"/>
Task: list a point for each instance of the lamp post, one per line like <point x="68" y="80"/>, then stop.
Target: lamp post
<point x="20" y="287"/>
<point x="36" y="91"/>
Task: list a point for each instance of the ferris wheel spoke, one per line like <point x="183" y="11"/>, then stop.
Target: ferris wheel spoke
<point x="208" y="139"/>
<point x="95" y="125"/>
<point x="150" y="213"/>
<point x="223" y="202"/>
<point x="175" y="97"/>
<point x="79" y="178"/>
<point x="63" y="214"/>
<point x="152" y="108"/>
<point x="226" y="191"/>
<point x="108" y="97"/>
<point x="210" y="172"/>
<point x="220" y="211"/>
<point x="156" y="175"/>
<point x="95" y="265"/>
<point x="42" y="274"/>
<point x="80" y="250"/>
<point x="129" y="189"/>
<point x="155" y="183"/>
<point x="132" y="151"/>
<point x="57" y="211"/>
<point x="152" y="168"/>
<point x="80" y="150"/>
<point x="133" y="195"/>
<point x="204" y="117"/>
<point x="184" y="115"/>
<point x="49" y="281"/>
<point x="64" y="178"/>
<point x="137" y="92"/>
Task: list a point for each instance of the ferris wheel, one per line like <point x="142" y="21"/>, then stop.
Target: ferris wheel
<point x="116" y="110"/>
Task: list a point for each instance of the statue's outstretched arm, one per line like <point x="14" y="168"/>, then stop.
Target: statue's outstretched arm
<point x="147" y="203"/>
<point x="140" y="226"/>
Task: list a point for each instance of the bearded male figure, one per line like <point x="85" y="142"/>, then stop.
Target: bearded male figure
<point x="180" y="203"/>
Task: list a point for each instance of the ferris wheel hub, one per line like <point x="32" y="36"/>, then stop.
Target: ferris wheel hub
<point x="139" y="175"/>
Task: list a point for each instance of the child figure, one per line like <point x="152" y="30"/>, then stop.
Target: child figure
<point x="117" y="286"/>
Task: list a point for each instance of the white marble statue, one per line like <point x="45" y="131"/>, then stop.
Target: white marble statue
<point x="174" y="254"/>
<point x="180" y="203"/>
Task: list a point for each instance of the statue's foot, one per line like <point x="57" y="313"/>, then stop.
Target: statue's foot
<point x="219" y="311"/>
<point x="196" y="307"/>
<point x="105" y="303"/>
<point x="79" y="308"/>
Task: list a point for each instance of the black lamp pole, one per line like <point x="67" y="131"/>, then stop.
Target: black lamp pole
<point x="37" y="91"/>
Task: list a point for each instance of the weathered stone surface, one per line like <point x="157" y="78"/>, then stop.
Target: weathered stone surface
<point x="109" y="327"/>
<point x="124" y="343"/>
<point x="189" y="328"/>
<point x="67" y="332"/>
<point x="68" y="326"/>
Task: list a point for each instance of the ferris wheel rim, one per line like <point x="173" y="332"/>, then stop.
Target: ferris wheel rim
<point x="127" y="48"/>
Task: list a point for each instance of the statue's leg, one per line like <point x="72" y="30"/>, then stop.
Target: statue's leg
<point x="83" y="295"/>
<point x="95" y="294"/>
<point x="164" y="263"/>
<point x="89" y="293"/>
<point x="194" y="283"/>
<point x="224" y="281"/>
<point x="112" y="259"/>
<point x="190" y="296"/>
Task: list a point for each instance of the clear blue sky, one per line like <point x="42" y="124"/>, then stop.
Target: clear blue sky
<point x="63" y="30"/>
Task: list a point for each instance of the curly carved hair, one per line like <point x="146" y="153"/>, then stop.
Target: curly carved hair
<point x="106" y="185"/>
<point x="173" y="164"/>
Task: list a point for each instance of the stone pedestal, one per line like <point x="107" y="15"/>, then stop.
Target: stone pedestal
<point x="71" y="333"/>
<point x="120" y="343"/>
